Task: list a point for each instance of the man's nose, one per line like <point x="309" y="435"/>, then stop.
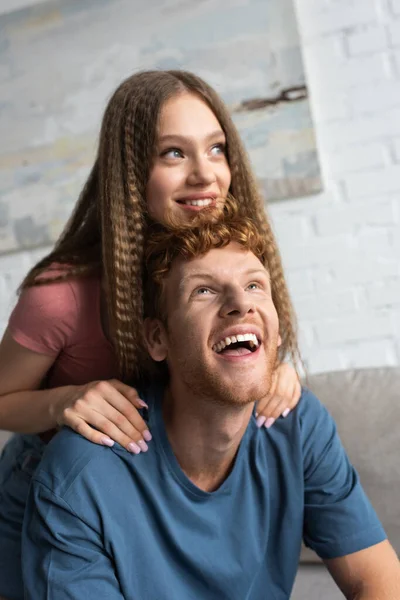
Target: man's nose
<point x="201" y="172"/>
<point x="237" y="303"/>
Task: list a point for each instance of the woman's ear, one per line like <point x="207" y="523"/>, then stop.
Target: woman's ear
<point x="156" y="339"/>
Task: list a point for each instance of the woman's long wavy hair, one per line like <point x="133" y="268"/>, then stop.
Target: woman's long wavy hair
<point x="107" y="230"/>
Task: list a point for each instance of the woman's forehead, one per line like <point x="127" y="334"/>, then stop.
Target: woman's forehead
<point x="187" y="114"/>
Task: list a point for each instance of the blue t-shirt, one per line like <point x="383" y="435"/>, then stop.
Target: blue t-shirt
<point x="103" y="523"/>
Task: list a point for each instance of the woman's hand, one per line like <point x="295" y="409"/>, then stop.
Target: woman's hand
<point x="105" y="412"/>
<point x="282" y="397"/>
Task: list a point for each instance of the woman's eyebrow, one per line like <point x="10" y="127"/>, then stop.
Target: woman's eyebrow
<point x="217" y="134"/>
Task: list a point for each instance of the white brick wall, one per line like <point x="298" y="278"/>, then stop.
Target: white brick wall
<point x="341" y="249"/>
<point x="344" y="266"/>
<point x="396" y="150"/>
<point x="366" y="40"/>
<point x="394" y="31"/>
<point x="13" y="268"/>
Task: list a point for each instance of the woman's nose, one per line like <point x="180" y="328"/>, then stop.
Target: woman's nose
<point x="201" y="172"/>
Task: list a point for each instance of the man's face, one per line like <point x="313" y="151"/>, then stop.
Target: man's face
<point x="222" y="332"/>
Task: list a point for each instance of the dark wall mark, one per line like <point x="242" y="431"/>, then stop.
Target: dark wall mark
<point x="293" y="94"/>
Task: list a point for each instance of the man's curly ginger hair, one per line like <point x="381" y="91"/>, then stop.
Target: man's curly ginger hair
<point x="196" y="238"/>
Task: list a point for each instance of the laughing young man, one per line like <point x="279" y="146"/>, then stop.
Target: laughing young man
<point x="217" y="508"/>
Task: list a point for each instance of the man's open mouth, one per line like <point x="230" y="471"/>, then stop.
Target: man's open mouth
<point x="237" y="345"/>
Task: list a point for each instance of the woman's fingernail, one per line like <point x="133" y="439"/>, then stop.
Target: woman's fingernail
<point x="286" y="412"/>
<point x="143" y="403"/>
<point x="106" y="441"/>
<point x="269" y="422"/>
<point x="147" y="435"/>
<point x="132" y="447"/>
<point x="261" y="421"/>
<point x="143" y="446"/>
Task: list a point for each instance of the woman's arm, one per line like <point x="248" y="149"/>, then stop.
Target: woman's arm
<point x="23" y="407"/>
<point x="282" y="397"/>
<point x="101" y="411"/>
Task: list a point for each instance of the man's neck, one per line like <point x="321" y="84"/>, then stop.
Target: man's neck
<point x="204" y="435"/>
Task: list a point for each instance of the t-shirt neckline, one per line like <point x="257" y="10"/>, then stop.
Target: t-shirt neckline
<point x="157" y="425"/>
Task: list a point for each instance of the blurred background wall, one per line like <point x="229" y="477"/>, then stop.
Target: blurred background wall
<point x="341" y="248"/>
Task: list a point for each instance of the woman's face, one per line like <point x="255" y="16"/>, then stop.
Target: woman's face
<point x="190" y="170"/>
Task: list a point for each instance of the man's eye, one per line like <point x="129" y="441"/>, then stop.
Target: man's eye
<point x="203" y="291"/>
<point x="172" y="153"/>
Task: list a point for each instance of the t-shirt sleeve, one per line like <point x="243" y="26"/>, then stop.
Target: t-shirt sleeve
<point x="63" y="556"/>
<point x="338" y="517"/>
<point x="43" y="319"/>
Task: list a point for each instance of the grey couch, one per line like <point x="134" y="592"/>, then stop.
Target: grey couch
<point x="366" y="407"/>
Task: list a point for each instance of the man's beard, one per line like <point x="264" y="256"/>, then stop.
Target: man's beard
<point x="206" y="382"/>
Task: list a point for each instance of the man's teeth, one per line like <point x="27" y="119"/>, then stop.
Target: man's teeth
<point x="205" y="202"/>
<point x="246" y="337"/>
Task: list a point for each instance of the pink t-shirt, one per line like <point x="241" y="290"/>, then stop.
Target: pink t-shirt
<point x="63" y="320"/>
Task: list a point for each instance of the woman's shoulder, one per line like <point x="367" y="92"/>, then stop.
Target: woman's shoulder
<point x="48" y="316"/>
<point x="50" y="293"/>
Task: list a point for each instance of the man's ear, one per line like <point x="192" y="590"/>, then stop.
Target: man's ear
<point x="155" y="337"/>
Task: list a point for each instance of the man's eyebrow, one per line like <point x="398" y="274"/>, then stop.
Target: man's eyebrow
<point x="193" y="276"/>
<point x="259" y="272"/>
<point x="190" y="277"/>
<point x="218" y="133"/>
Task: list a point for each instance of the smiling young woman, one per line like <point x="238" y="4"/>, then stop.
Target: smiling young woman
<point x="190" y="170"/>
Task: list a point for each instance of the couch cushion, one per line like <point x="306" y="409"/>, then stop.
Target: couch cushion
<point x="366" y="407"/>
<point x="313" y="582"/>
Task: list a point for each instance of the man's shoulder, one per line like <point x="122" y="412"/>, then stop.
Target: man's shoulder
<point x="313" y="416"/>
<point x="70" y="458"/>
<point x="309" y="405"/>
<point x="71" y="461"/>
<point x="309" y="410"/>
<point x="308" y="423"/>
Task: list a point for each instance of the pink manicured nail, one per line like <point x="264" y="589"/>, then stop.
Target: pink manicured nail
<point x="106" y="441"/>
<point x="132" y="447"/>
<point x="286" y="412"/>
<point x="261" y="421"/>
<point x="143" y="403"/>
<point x="147" y="435"/>
<point x="143" y="446"/>
<point x="269" y="422"/>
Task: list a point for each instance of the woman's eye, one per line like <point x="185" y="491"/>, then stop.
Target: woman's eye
<point x="172" y="153"/>
<point x="253" y="286"/>
<point x="218" y="149"/>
